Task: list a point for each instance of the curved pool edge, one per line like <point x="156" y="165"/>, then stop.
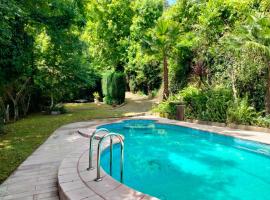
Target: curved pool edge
<point x="72" y="172"/>
<point x="75" y="182"/>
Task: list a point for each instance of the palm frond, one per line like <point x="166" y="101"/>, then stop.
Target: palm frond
<point x="258" y="48"/>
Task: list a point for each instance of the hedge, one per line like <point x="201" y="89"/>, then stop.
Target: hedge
<point x="114" y="87"/>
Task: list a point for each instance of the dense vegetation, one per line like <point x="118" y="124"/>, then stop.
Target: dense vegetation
<point x="220" y="64"/>
<point x="214" y="55"/>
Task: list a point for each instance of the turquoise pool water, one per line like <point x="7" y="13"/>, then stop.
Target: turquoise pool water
<point x="172" y="163"/>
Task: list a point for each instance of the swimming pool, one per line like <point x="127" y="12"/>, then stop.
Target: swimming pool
<point x="172" y="162"/>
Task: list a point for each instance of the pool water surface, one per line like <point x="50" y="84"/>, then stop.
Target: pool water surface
<point x="173" y="162"/>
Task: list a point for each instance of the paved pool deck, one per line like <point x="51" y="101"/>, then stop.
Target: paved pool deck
<point x="36" y="177"/>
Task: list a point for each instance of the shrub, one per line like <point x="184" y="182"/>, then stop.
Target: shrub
<point x="194" y="100"/>
<point x="153" y="93"/>
<point x="166" y="109"/>
<point x="114" y="87"/>
<point x="241" y="112"/>
<point x="208" y="104"/>
<point x="96" y="96"/>
<point x="263" y="121"/>
<point x="59" y="108"/>
<point x="217" y="104"/>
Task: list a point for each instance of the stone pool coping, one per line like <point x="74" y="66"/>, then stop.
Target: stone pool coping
<point x="75" y="182"/>
<point x="254" y="136"/>
<point x="36" y="177"/>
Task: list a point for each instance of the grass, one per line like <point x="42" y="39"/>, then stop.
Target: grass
<point x="24" y="136"/>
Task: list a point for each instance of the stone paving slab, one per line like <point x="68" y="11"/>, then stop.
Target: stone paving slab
<point x="79" y="183"/>
<point x="36" y="177"/>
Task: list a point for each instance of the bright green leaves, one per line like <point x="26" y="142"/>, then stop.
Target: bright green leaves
<point x="108" y="29"/>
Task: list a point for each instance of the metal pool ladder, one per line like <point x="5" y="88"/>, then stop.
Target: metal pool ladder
<point x="110" y="135"/>
<point x="92" y="137"/>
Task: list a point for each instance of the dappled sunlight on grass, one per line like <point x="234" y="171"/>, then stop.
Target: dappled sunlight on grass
<point x="131" y="114"/>
<point x="5" y="144"/>
<point x="24" y="136"/>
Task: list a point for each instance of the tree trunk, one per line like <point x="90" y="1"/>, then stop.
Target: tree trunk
<point x="25" y="104"/>
<point x="52" y="102"/>
<point x="165" y="78"/>
<point x="16" y="98"/>
<point x="233" y="85"/>
<point x="267" y="94"/>
<point x="7" y="114"/>
<point x="16" y="111"/>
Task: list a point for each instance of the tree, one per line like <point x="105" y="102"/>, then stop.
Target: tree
<point x="62" y="61"/>
<point x="108" y="30"/>
<point x="16" y="58"/>
<point x="160" y="41"/>
<point x="254" y="35"/>
<point x="143" y="71"/>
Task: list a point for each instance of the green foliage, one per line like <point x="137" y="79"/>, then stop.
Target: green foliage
<point x="153" y="93"/>
<point x="143" y="71"/>
<point x="54" y="50"/>
<point x="166" y="109"/>
<point x="195" y="102"/>
<point x="207" y="104"/>
<point x="36" y="128"/>
<point x="42" y="52"/>
<point x="108" y="29"/>
<point x="96" y="95"/>
<point x="218" y="101"/>
<point x="114" y="87"/>
<point x="241" y="112"/>
<point x="59" y="108"/>
<point x="106" y="83"/>
<point x="144" y="76"/>
<point x="263" y="121"/>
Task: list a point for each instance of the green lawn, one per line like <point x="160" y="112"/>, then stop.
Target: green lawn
<point x="23" y="137"/>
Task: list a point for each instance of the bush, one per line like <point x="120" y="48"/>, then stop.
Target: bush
<point x="153" y="94"/>
<point x="166" y="109"/>
<point x="217" y="104"/>
<point x="195" y="102"/>
<point x="208" y="104"/>
<point x="59" y="108"/>
<point x="241" y="112"/>
<point x="263" y="121"/>
<point x="114" y="87"/>
<point x="96" y="96"/>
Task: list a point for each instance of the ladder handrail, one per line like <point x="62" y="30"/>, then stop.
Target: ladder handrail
<point x="111" y="135"/>
<point x="90" y="167"/>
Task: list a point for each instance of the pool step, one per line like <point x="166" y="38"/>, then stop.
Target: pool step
<point x="76" y="182"/>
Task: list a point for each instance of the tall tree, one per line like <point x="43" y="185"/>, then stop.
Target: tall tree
<point x="141" y="66"/>
<point x="254" y="35"/>
<point x="16" y="58"/>
<point x="161" y="41"/>
<point x="108" y="30"/>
